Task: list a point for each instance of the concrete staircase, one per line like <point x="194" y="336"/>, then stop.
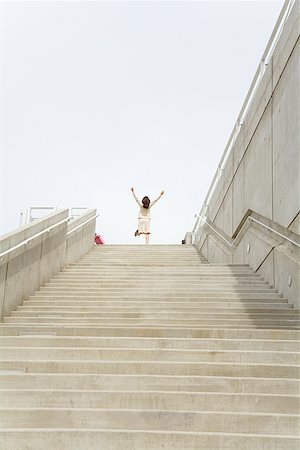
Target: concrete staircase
<point x="150" y="347"/>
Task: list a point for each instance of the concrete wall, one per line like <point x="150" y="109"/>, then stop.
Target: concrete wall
<point x="81" y="241"/>
<point x="262" y="173"/>
<point x="29" y="267"/>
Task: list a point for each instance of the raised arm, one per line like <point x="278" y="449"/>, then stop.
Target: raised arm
<point x="156" y="200"/>
<point x="137" y="200"/>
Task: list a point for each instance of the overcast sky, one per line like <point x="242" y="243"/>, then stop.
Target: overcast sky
<point x="97" y="97"/>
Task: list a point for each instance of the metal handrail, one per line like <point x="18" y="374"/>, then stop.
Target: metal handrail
<point x="82" y="224"/>
<point x="30" y="239"/>
<point x="274" y="231"/>
<point x="284" y="14"/>
<point x="231" y="244"/>
<point x="249" y="218"/>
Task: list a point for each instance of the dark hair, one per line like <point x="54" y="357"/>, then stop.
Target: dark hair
<point x="146" y="202"/>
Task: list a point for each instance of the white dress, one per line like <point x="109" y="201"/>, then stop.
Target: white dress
<point x="144" y="216"/>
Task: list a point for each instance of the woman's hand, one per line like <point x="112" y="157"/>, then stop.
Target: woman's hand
<point x="132" y="189"/>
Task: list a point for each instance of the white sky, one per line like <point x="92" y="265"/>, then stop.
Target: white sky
<point x="99" y="96"/>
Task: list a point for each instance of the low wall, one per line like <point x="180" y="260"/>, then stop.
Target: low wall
<point x="27" y="268"/>
<point x="80" y="240"/>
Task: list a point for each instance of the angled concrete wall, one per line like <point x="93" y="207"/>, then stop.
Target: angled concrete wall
<point x="26" y="269"/>
<point x="262" y="173"/>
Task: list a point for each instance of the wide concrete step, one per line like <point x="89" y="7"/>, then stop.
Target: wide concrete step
<point x="87" y="439"/>
<point x="188" y="401"/>
<point x="156" y="302"/>
<point x="144" y="254"/>
<point x="97" y="439"/>
<point x="156" y="319"/>
<point x="199" y="296"/>
<point x="159" y="266"/>
<point x="140" y="329"/>
<point x="230" y="322"/>
<point x="140" y="294"/>
<point x="120" y="382"/>
<point x="163" y="307"/>
<point x="195" y="283"/>
<point x="199" y="266"/>
<point x="130" y="419"/>
<point x="151" y="343"/>
<point x="157" y="332"/>
<point x="140" y="289"/>
<point x="145" y="354"/>
<point x="152" y="368"/>
<point x="160" y="314"/>
<point x="106" y="276"/>
<point x="133" y="249"/>
<point x="145" y="263"/>
<point x="183" y="272"/>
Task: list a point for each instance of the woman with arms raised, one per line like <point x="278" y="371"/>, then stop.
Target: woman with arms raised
<point x="144" y="216"/>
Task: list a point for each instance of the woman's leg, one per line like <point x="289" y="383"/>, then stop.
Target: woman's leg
<point x="147" y="236"/>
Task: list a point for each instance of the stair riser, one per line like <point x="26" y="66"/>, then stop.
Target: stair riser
<point x="164" y="401"/>
<point x="210" y="314"/>
<point x="150" y="383"/>
<point x="73" y="308"/>
<point x="188" y="333"/>
<point x="148" y="343"/>
<point x="153" y="368"/>
<point x="196" y="284"/>
<point x="269" y="322"/>
<point x="180" y="290"/>
<point x="159" y="276"/>
<point x="127" y="354"/>
<point x="134" y="440"/>
<point x="245" y="298"/>
<point x="147" y="420"/>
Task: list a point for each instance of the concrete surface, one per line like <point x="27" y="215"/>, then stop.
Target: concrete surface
<point x="29" y="267"/>
<point x="262" y="173"/>
<point x="148" y="347"/>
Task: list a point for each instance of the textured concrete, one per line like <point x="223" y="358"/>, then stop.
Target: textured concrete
<point x="262" y="173"/>
<point x="148" y="347"/>
<point x="80" y="241"/>
<point x="25" y="269"/>
<point x="286" y="142"/>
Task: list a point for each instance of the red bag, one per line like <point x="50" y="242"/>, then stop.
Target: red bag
<point x="98" y="239"/>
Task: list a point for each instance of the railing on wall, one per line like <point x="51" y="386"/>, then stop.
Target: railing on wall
<point x="248" y="218"/>
<point x="279" y="26"/>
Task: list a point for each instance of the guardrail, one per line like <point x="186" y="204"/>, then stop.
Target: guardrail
<point x="39" y="212"/>
<point x="82" y="224"/>
<point x="279" y="26"/>
<point x="246" y="218"/>
<point x="274" y="231"/>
